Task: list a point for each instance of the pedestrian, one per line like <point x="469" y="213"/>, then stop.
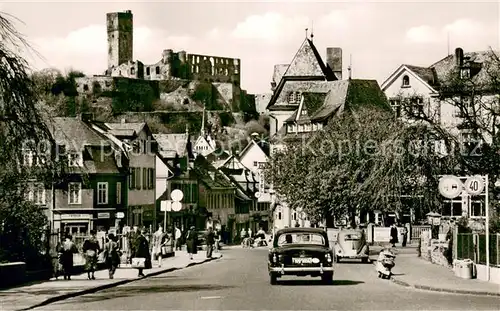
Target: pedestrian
<point x="111" y="255"/>
<point x="404" y="232"/>
<point x="192" y="242"/>
<point x="210" y="239"/>
<point x="91" y="249"/>
<point x="68" y="248"/>
<point x="131" y="237"/>
<point x="394" y="235"/>
<point x="217" y="240"/>
<point x="141" y="249"/>
<point x="158" y="239"/>
<point x="178" y="236"/>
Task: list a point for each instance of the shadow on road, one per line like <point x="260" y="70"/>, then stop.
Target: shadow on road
<point x="318" y="282"/>
<point x="144" y="290"/>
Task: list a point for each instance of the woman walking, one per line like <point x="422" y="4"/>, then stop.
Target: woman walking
<point x="192" y="242"/>
<point x="111" y="255"/>
<point x="68" y="248"/>
<point x="91" y="249"/>
<point x="142" y="251"/>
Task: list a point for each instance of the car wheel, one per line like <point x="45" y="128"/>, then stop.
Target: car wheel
<point x="337" y="259"/>
<point x="327" y="278"/>
<point x="364" y="260"/>
<point x="273" y="279"/>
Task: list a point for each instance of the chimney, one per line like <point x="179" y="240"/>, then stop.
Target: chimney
<point x="123" y="121"/>
<point x="334" y="61"/>
<point x="459" y="57"/>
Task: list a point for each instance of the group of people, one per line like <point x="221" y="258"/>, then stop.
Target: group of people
<point x="395" y="235"/>
<point x="110" y="253"/>
<point x="139" y="247"/>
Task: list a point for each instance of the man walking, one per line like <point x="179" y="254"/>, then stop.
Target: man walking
<point x="210" y="239"/>
<point x="177" y="237"/>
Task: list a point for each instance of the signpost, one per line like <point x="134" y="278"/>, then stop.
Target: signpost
<point x="166" y="206"/>
<point x="451" y="187"/>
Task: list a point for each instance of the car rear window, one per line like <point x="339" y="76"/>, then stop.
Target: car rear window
<point x="301" y="238"/>
<point x="352" y="237"/>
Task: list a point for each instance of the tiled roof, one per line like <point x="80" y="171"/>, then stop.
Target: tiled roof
<point x="123" y="132"/>
<point x="168" y="143"/>
<point x="426" y="74"/>
<point x="279" y="71"/>
<point x="74" y="133"/>
<point x="137" y="127"/>
<point x="203" y="170"/>
<point x="307" y="62"/>
<point x="293" y="117"/>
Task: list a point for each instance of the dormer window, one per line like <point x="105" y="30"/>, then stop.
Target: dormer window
<point x="406" y="81"/>
<point x="465" y="73"/>
<point x="294" y="97"/>
<point x="75" y="159"/>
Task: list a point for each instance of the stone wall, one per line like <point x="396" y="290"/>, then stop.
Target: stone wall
<point x="433" y="250"/>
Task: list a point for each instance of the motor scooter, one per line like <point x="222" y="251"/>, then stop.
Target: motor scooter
<point x="385" y="263"/>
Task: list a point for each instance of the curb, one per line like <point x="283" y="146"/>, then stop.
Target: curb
<point x="111" y="285"/>
<point x="395" y="280"/>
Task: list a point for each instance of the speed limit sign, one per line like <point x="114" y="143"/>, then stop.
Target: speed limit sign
<point x="474" y="185"/>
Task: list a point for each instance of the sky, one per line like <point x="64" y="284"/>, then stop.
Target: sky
<point x="376" y="36"/>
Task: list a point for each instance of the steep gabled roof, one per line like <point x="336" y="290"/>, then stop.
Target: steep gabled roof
<point x="261" y="144"/>
<point x="126" y="127"/>
<point x="171" y="144"/>
<point x="307" y="63"/>
<point x="74" y="133"/>
<point x="279" y="71"/>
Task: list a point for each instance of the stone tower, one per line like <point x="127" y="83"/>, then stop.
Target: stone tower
<point x="120" y="38"/>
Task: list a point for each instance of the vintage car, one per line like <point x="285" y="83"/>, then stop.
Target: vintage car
<point x="301" y="252"/>
<point x="351" y="244"/>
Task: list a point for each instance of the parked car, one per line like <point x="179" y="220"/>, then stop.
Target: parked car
<point x="301" y="252"/>
<point x="351" y="244"/>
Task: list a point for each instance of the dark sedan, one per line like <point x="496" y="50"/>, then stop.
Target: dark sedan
<point x="301" y="252"/>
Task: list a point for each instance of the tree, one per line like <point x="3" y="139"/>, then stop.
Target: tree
<point x="23" y="128"/>
<point x="362" y="161"/>
<point x="472" y="91"/>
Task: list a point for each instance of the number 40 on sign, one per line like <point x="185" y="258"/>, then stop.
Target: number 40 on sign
<point x="451" y="186"/>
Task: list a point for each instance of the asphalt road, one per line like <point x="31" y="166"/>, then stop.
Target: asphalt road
<point x="239" y="281"/>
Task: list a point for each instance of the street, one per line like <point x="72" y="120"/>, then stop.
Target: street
<point x="240" y="281"/>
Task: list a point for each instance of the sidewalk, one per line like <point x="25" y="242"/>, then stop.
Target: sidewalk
<point x="412" y="271"/>
<point x="42" y="293"/>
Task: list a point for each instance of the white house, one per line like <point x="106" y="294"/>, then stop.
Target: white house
<point x="204" y="144"/>
<point x="421" y="85"/>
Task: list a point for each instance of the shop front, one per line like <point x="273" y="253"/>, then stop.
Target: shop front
<point x="74" y="224"/>
<point x="104" y="220"/>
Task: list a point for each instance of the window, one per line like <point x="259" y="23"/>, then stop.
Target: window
<point x="137" y="178"/>
<point x="452" y="208"/>
<point x="279" y="215"/>
<point x="465" y="73"/>
<point x="36" y="193"/>
<point x="27" y="158"/>
<point x="406" y="81"/>
<point x="255" y="163"/>
<point x="396" y="106"/>
<point x="157" y="70"/>
<point x="148" y="71"/>
<point x="477" y="208"/>
<point x="152" y="178"/>
<point x="131" y="178"/>
<point x="145" y="178"/>
<point x="303" y="112"/>
<point x="75" y="159"/>
<point x="132" y="70"/>
<point x="294" y="97"/>
<point x="118" y="193"/>
<point x="417" y="106"/>
<point x="301" y="238"/>
<point x="102" y="193"/>
<point x="75" y="193"/>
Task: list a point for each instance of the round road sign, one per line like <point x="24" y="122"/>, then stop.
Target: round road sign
<point x="176" y="206"/>
<point x="177" y="195"/>
<point x="450" y="186"/>
<point x="474" y="185"/>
